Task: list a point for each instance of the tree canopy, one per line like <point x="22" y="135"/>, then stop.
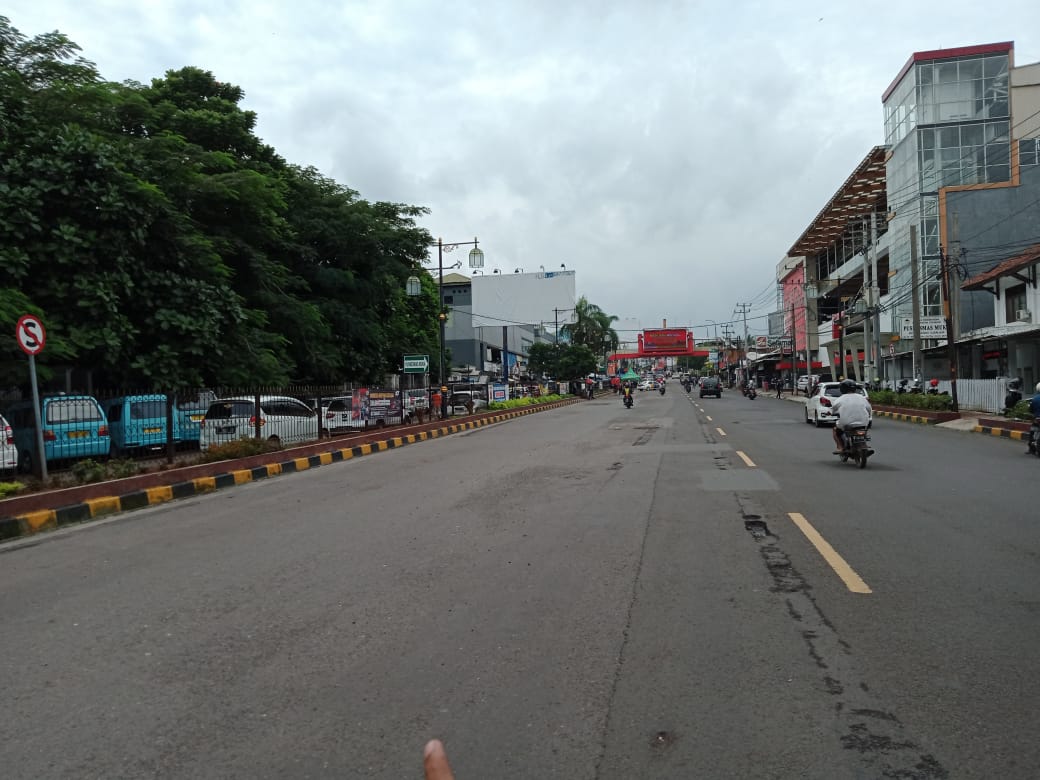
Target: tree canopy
<point x="164" y="244"/>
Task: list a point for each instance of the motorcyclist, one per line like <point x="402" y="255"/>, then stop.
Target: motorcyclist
<point x="1034" y="411"/>
<point x="626" y="393"/>
<point x="852" y="408"/>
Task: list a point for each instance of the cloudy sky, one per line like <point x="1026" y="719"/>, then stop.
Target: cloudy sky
<point x="668" y="151"/>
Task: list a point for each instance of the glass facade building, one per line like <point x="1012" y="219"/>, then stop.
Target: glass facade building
<point x="947" y="123"/>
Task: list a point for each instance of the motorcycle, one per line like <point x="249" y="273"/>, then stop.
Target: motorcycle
<point x="752" y="393"/>
<point x="1014" y="395"/>
<point x="1034" y="437"/>
<point x="628" y="401"/>
<point x="661" y="388"/>
<point x="856" y="445"/>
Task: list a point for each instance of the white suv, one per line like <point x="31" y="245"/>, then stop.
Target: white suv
<point x="283" y="420"/>
<point x="818" y="405"/>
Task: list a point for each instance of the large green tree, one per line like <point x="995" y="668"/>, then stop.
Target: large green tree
<point x="593" y="328"/>
<point x="164" y="244"/>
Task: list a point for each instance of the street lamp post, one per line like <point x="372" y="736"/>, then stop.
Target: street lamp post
<point x="475" y="261"/>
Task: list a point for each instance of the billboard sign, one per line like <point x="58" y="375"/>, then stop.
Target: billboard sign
<point x="523" y="298"/>
<point x="665" y="340"/>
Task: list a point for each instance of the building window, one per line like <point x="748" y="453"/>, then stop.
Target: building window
<point x="1015" y="299"/>
<point x="1029" y="151"/>
<point x="449" y="299"/>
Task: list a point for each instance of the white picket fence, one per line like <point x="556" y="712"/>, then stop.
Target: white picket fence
<point x="983" y="395"/>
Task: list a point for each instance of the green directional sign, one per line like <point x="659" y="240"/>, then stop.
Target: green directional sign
<point x="417" y="364"/>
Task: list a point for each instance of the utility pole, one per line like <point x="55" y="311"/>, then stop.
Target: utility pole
<point x="743" y="309"/>
<point x="808" y="335"/>
<point x="875" y="299"/>
<point x="867" y="340"/>
<point x="915" y="287"/>
<point x="951" y="339"/>
<point x="955" y="260"/>
<point x="841" y="345"/>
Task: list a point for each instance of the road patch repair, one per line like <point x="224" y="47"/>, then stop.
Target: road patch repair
<point x="48" y="510"/>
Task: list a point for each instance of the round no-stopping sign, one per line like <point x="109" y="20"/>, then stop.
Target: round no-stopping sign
<point x="30" y="334"/>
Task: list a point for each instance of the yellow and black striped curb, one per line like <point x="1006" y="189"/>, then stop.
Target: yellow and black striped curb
<point x="49" y="519"/>
<point x="914" y="418"/>
<point x="1003" y="433"/>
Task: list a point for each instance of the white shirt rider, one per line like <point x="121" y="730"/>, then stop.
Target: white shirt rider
<point x="853" y="408"/>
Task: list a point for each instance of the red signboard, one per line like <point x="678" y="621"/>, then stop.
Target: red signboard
<point x="665" y="340"/>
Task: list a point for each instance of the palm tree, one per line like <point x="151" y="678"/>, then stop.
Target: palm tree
<point x="592" y="327"/>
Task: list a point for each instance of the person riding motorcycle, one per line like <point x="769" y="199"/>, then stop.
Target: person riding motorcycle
<point x="1034" y="411"/>
<point x="626" y="393"/>
<point x="852" y="408"/>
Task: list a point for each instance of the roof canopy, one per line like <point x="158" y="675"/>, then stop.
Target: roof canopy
<point x="1009" y="267"/>
<point x="858" y="195"/>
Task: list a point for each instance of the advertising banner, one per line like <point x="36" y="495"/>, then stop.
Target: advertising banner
<point x="384" y="405"/>
<point x="665" y="340"/>
<point x="931" y="328"/>
<point x="499" y="393"/>
<point x="359" y="405"/>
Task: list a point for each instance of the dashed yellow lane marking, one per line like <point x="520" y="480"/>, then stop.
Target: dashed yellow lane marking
<point x="102" y="506"/>
<point x="750" y="463"/>
<point x="721" y="432"/>
<point x="852" y="580"/>
<point x="160" y="494"/>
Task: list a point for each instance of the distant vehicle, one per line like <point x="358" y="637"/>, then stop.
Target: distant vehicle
<point x="647" y="384"/>
<point x="283" y="420"/>
<point x="803" y="383"/>
<point x="710" y="385"/>
<point x="74" y="428"/>
<point x="336" y="414"/>
<point x="137" y="423"/>
<point x="8" y="449"/>
<point x="818" y="406"/>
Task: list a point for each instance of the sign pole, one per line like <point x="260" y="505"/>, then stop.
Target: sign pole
<point x="40" y="464"/>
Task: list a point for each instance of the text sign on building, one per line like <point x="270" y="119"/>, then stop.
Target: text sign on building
<point x="761" y="342"/>
<point x="931" y="328"/>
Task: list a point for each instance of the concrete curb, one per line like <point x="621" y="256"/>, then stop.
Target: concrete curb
<point x="34" y="522"/>
<point x="906" y="417"/>
<point x="1003" y="433"/>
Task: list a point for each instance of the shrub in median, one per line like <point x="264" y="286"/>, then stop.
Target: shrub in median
<point x="929" y="403"/>
<point x="239" y="448"/>
<point x="514" y="403"/>
<point x="10" y="488"/>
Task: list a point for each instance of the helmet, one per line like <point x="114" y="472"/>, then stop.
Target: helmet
<point x="847" y="386"/>
<point x="1037" y="388"/>
<point x="934" y="382"/>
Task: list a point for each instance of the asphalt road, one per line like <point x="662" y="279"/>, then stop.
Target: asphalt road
<point x="588" y="592"/>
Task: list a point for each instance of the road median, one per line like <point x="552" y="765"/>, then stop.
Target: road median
<point x="48" y="510"/>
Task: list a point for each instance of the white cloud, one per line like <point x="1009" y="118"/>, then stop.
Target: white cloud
<point x="670" y="152"/>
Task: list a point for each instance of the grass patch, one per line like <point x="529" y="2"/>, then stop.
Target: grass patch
<point x="8" y="489"/>
<point x="518" y="403"/>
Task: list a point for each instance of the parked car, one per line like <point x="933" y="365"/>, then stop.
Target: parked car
<point x="8" y="449"/>
<point x="282" y="419"/>
<point x="188" y="415"/>
<point x="137" y="423"/>
<point x="74" y="428"/>
<point x="818" y="405"/>
<point x="336" y="415"/>
<point x="711" y="385"/>
<point x="414" y="400"/>
<point x="802" y="383"/>
<point x="457" y="402"/>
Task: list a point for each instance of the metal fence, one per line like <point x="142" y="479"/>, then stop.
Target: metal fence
<point x="981" y="395"/>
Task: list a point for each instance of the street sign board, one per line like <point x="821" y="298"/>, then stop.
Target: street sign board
<point x="931" y="328"/>
<point x="30" y="334"/>
<point x="416" y="364"/>
<point x="761" y="342"/>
